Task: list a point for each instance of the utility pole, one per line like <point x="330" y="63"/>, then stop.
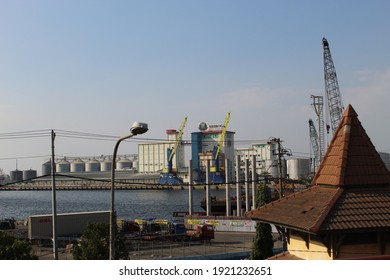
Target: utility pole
<point x="54" y="199"/>
<point x="280" y="153"/>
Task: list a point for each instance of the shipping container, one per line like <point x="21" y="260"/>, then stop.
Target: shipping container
<point x="68" y="224"/>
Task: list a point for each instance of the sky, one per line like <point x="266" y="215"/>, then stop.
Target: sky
<point x="96" y="66"/>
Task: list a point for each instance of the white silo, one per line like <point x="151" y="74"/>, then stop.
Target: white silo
<point x="77" y="165"/>
<point x="135" y="164"/>
<point x="63" y="166"/>
<point x="272" y="167"/>
<point x="92" y="165"/>
<point x="106" y="165"/>
<point x="124" y="163"/>
<point x="298" y="168"/>
<point x="46" y="168"/>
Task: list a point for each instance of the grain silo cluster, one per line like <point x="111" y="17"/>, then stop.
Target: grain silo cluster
<point x="78" y="165"/>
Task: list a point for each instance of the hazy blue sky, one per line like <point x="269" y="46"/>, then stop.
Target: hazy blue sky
<point x="97" y="66"/>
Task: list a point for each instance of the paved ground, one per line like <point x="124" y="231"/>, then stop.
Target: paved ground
<point x="224" y="242"/>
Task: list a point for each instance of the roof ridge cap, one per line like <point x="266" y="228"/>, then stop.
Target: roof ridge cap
<point x="329" y="206"/>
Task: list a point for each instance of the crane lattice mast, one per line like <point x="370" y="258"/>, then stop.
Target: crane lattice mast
<point x="318" y="105"/>
<point x="332" y="88"/>
<point x="314" y="143"/>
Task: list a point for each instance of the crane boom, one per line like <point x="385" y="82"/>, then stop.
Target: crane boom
<point x="178" y="139"/>
<point x="222" y="138"/>
<point x="169" y="176"/>
<point x="318" y="105"/>
<point x="332" y="88"/>
<point x="314" y="142"/>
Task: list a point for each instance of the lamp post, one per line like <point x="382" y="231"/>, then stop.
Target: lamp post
<point x="136" y="128"/>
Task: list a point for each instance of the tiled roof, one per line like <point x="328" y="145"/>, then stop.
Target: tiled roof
<point x="351" y="190"/>
<point x="351" y="159"/>
<point x="304" y="210"/>
<point x="360" y="209"/>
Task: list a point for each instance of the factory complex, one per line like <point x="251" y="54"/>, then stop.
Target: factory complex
<point x="211" y="145"/>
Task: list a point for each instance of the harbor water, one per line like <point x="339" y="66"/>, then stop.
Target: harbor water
<point x="129" y="204"/>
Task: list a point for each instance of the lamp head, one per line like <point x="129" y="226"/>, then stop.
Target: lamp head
<point x="138" y="128"/>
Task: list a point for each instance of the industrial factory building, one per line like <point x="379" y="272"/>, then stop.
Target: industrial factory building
<point x="153" y="157"/>
<point x="204" y="147"/>
<point x="266" y="160"/>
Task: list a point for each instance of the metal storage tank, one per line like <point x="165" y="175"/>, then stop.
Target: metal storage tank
<point x="124" y="164"/>
<point x="135" y="164"/>
<point x="106" y="165"/>
<point x="77" y="166"/>
<point x="46" y="168"/>
<point x="271" y="166"/>
<point x="63" y="166"/>
<point x="298" y="168"/>
<point x="92" y="165"/>
<point x="29" y="174"/>
<point x="16" y="175"/>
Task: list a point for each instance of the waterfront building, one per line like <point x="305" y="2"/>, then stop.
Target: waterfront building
<point x="266" y="160"/>
<point x="203" y="147"/>
<point x="345" y="213"/>
<point x="152" y="157"/>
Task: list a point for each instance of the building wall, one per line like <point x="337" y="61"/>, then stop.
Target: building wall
<point x="314" y="251"/>
<point x="205" y="141"/>
<point x="152" y="157"/>
<point x="266" y="161"/>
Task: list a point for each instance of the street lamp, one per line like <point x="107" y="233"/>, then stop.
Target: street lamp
<point x="136" y="128"/>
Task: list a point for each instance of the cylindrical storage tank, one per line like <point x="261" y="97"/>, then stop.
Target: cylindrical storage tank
<point x="92" y="165"/>
<point x="29" y="174"/>
<point x="16" y="175"/>
<point x="46" y="168"/>
<point x="298" y="168"/>
<point x="271" y="166"/>
<point x="124" y="164"/>
<point x="77" y="166"/>
<point x="106" y="165"/>
<point x="135" y="164"/>
<point x="63" y="166"/>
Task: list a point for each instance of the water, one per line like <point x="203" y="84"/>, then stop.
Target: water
<point x="129" y="204"/>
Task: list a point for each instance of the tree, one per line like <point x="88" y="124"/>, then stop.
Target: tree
<point x="262" y="242"/>
<point x="94" y="244"/>
<point x="12" y="248"/>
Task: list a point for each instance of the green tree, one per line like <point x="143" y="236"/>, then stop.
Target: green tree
<point x="94" y="244"/>
<point x="12" y="248"/>
<point x="263" y="241"/>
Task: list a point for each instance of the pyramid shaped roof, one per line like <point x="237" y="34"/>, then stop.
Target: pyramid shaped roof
<point x="351" y="159"/>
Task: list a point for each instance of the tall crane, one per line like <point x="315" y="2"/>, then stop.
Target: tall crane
<point x="332" y="88"/>
<point x="215" y="171"/>
<point x="169" y="176"/>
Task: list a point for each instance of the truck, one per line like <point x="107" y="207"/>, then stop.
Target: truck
<point x="202" y="232"/>
<point x="40" y="227"/>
